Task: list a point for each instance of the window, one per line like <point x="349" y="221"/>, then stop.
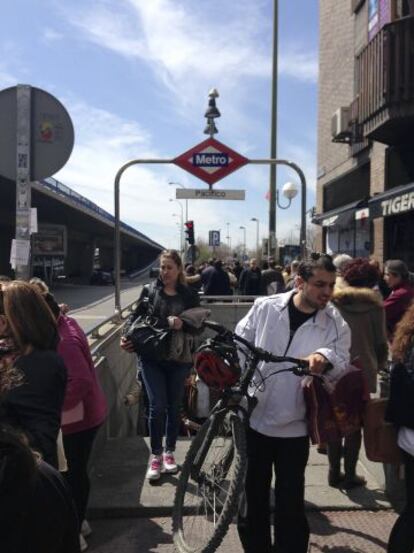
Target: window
<point x="402" y="8"/>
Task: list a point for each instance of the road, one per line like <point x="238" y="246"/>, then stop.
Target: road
<point x="90" y="305"/>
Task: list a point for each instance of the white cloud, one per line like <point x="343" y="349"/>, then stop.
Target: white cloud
<point x="51" y="35"/>
<point x="183" y="47"/>
<point x="299" y="65"/>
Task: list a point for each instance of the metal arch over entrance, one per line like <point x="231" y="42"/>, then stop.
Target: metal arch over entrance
<point x="117" y="233"/>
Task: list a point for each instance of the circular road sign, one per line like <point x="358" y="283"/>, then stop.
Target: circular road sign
<point x="52" y="134"/>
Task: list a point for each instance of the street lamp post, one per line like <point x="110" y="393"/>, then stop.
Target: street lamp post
<point x="182" y="224"/>
<point x="244" y="240"/>
<point x="257" y="234"/>
<point x="228" y="236"/>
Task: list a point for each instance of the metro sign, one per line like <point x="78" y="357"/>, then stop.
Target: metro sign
<point x="210" y="161"/>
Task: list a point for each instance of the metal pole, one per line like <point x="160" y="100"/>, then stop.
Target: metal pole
<point x="23" y="177"/>
<point x="186" y="201"/>
<point x="182" y="226"/>
<point x="257" y="238"/>
<point x="117" y="237"/>
<point x="244" y="240"/>
<point x="273" y="136"/>
<point x="117" y="228"/>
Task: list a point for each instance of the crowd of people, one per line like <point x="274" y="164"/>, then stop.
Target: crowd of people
<point x="216" y="278"/>
<point x="346" y="316"/>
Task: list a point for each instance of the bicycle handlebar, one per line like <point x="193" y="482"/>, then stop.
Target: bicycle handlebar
<point x="259" y="353"/>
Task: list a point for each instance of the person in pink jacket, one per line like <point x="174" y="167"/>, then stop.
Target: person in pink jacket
<point x="84" y="409"/>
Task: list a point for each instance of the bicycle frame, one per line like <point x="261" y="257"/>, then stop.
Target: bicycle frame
<point x="231" y="398"/>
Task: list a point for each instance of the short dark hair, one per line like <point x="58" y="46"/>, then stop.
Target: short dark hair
<point x="316" y="261"/>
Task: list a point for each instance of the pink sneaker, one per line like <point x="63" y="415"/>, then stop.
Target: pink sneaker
<point x="169" y="464"/>
<point x="154" y="469"/>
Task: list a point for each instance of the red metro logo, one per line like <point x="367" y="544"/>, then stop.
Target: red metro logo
<point x="210" y="161"/>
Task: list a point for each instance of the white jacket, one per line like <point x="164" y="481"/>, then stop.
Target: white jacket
<point x="281" y="411"/>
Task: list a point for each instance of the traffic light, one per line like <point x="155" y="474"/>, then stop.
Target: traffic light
<point x="189" y="226"/>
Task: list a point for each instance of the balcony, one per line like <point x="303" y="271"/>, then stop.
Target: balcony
<point x="383" y="109"/>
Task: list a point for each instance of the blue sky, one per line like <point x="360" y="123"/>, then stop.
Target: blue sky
<point x="135" y="75"/>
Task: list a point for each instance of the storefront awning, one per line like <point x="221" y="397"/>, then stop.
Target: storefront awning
<point x="341" y="216"/>
<point x="392" y="202"/>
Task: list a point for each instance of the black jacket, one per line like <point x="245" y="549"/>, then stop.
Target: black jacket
<point x="274" y="278"/>
<point x="153" y="300"/>
<point x="35" y="405"/>
<point x="216" y="282"/>
<point x="400" y="408"/>
<point x="250" y="282"/>
<point x="40" y="517"/>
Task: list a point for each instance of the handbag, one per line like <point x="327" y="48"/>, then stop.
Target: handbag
<point x="149" y="341"/>
<point x="380" y="436"/>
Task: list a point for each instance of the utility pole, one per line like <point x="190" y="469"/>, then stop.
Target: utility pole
<point x="273" y="137"/>
<point x="23" y="175"/>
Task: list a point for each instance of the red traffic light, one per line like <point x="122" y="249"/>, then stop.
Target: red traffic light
<point x="189" y="232"/>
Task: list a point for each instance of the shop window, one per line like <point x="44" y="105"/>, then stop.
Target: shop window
<point x="398" y="233"/>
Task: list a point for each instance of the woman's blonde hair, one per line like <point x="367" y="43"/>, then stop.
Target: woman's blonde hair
<point x="404" y="335"/>
<point x="175" y="258"/>
<point x="30" y="320"/>
<point x="41" y="284"/>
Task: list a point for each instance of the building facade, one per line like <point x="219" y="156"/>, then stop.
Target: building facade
<point x="365" y="187"/>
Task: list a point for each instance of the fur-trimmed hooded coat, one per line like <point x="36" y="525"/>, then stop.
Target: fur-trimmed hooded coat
<point x="363" y="310"/>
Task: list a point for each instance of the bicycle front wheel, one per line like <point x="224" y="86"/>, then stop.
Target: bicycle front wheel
<point x="206" y="500"/>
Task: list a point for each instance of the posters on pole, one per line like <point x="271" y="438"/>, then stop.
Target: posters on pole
<point x="19" y="254"/>
<point x="33" y="220"/>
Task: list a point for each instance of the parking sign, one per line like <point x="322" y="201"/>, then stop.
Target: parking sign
<point x="214" y="238"/>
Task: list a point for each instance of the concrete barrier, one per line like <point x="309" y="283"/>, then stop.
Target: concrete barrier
<point x="117" y="369"/>
<point x="116" y="372"/>
<point x="227" y="312"/>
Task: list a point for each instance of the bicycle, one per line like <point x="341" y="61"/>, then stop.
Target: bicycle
<point x="212" y="476"/>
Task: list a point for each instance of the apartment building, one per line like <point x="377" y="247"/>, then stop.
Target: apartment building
<point x="365" y="186"/>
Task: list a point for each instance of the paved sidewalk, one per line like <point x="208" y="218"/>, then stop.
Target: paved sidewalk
<point x="331" y="532"/>
<point x="129" y="515"/>
<point x="119" y="488"/>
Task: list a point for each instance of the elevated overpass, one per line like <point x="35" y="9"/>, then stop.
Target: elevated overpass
<point x="74" y="235"/>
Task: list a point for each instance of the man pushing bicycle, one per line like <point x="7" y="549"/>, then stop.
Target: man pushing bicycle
<point x="302" y="324"/>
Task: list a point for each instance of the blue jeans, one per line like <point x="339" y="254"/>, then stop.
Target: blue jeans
<point x="164" y="383"/>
